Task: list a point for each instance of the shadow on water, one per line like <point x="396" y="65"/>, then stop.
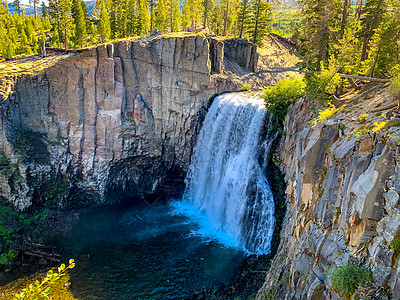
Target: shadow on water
<point x="143" y="252"/>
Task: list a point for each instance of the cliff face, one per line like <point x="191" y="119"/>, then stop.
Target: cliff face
<point x="342" y="205"/>
<point x="113" y="121"/>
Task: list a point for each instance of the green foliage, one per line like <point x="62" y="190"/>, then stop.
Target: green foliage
<point x="160" y="16"/>
<point x="261" y="14"/>
<point x="244" y="87"/>
<point x="80" y="24"/>
<point x="42" y="289"/>
<point x="394" y="88"/>
<point x="348" y="278"/>
<point x="279" y="97"/>
<point x="362" y="118"/>
<point x="104" y="23"/>
<point x="359" y="133"/>
<point x="12" y="223"/>
<point x="326" y="114"/>
<point x="319" y="27"/>
<point x="7" y="258"/>
<point x="322" y="85"/>
<point x="396" y="243"/>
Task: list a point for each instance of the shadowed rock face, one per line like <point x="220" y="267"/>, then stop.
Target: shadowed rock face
<point x="116" y="119"/>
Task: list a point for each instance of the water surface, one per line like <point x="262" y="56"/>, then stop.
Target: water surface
<point x="144" y="252"/>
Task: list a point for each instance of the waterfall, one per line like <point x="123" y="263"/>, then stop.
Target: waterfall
<point x="225" y="181"/>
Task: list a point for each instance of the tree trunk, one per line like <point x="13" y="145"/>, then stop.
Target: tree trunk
<point x="59" y="34"/>
<point x="358" y="11"/>
<point x="226" y="17"/>
<point x="365" y="48"/>
<point x="34" y="7"/>
<point x="205" y="13"/>
<point x="151" y="16"/>
<point x="66" y="39"/>
<point x="346" y="8"/>
<point x="243" y="15"/>
<point x="256" y="25"/>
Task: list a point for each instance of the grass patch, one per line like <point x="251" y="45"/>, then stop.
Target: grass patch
<point x="348" y="278"/>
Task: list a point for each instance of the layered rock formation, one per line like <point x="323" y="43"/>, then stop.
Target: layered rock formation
<point x="342" y="206"/>
<point x="111" y="122"/>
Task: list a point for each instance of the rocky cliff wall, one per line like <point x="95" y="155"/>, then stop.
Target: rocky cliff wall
<point x="111" y="122"/>
<point x="342" y="204"/>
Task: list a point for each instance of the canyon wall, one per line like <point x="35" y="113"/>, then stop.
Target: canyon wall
<point x="112" y="122"/>
<point x="342" y="206"/>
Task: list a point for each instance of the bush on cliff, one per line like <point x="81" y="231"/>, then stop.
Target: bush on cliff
<point x="394" y="88"/>
<point x="348" y="278"/>
<point x="279" y="97"/>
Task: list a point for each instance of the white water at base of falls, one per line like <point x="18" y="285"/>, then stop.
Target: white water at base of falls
<point x="225" y="186"/>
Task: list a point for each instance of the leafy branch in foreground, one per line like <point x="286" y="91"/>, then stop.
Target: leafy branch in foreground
<point x="41" y="290"/>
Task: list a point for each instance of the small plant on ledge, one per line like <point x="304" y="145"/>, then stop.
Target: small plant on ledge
<point x="396" y="243"/>
<point x="348" y="278"/>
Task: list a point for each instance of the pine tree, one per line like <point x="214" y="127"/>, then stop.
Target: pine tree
<point x="358" y="11"/>
<point x="17" y="5"/>
<point x="345" y="15"/>
<point x="207" y="8"/>
<point x="261" y="12"/>
<point x="54" y="13"/>
<point x="130" y="18"/>
<point x="24" y="44"/>
<point x="160" y="20"/>
<point x="80" y="24"/>
<point x="103" y="26"/>
<point x="185" y="15"/>
<point x="226" y="6"/>
<point x="373" y="13"/>
<point x="117" y="12"/>
<point x="44" y="11"/>
<point x="243" y="17"/>
<point x="3" y="8"/>
<point x="86" y="16"/>
<point x="385" y="44"/>
<point x="142" y="18"/>
<point x="7" y="47"/>
<point x="174" y="15"/>
<point x="320" y="24"/>
<point x="65" y="19"/>
<point x="35" y="3"/>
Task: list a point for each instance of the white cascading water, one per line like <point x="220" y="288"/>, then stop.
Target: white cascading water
<point x="225" y="181"/>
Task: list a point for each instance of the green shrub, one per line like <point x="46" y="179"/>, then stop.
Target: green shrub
<point x="348" y="278"/>
<point x="244" y="87"/>
<point x="394" y="88"/>
<point x="362" y="118"/>
<point x="279" y="97"/>
<point x="396" y="243"/>
<point x="322" y="85"/>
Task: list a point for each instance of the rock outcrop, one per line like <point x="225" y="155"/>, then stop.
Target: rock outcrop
<point x="342" y="206"/>
<point x="108" y="123"/>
